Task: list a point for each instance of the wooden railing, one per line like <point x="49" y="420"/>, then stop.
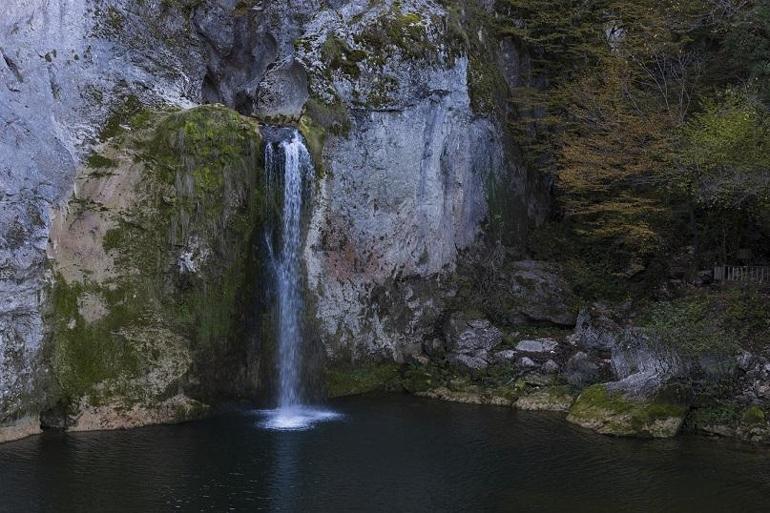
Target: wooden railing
<point x="745" y="273"/>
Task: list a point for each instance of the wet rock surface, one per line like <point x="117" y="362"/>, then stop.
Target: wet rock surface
<point x="611" y="377"/>
<point x="406" y="158"/>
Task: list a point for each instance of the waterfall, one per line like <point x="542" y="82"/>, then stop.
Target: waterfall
<point x="289" y="172"/>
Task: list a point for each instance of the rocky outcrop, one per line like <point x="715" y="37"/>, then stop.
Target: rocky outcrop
<point x="20" y="428"/>
<point x="640" y="363"/>
<point x="150" y="263"/>
<point x="387" y="96"/>
<point x="409" y="163"/>
<point x="612" y="412"/>
<point x="513" y="292"/>
<point x="70" y="72"/>
<point x="469" y="341"/>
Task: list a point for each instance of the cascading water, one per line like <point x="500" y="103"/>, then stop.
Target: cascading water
<point x="287" y="268"/>
<point x="289" y="169"/>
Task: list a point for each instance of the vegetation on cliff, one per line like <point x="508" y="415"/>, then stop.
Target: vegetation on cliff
<point x="156" y="303"/>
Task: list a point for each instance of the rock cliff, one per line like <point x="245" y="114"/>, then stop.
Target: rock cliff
<point x="397" y="100"/>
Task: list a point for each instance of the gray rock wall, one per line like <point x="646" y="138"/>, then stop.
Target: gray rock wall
<point x="65" y="65"/>
<point x="406" y="193"/>
<point x="406" y="161"/>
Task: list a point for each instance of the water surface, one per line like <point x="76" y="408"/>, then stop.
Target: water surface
<point x="383" y="454"/>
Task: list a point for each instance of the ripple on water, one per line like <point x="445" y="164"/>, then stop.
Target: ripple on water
<point x="294" y="418"/>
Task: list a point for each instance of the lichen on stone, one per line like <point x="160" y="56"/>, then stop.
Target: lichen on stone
<point x="554" y="398"/>
<point x="155" y="304"/>
<point x="614" y="413"/>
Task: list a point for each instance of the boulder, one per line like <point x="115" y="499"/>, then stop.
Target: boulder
<point x="469" y="335"/>
<point x="551" y="367"/>
<point x="530" y="291"/>
<point x="476" y="361"/>
<point x="469" y="340"/>
<point x="541" y="345"/>
<point x="745" y="360"/>
<point x="596" y="330"/>
<point x="527" y="362"/>
<point x="505" y="356"/>
<point x="580" y="370"/>
<point x="639" y="362"/>
<point x="642" y="364"/>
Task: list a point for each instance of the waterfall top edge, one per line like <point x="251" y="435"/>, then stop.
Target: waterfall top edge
<point x="273" y="134"/>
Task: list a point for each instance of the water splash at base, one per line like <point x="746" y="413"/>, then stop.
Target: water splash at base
<point x="295" y="418"/>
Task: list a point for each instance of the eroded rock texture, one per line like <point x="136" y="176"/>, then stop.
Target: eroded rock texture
<point x="412" y="159"/>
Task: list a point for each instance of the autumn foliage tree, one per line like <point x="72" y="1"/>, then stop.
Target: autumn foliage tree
<point x="625" y="118"/>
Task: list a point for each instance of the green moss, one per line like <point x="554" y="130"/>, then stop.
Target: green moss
<point x="419" y="379"/>
<point x="199" y="190"/>
<point x="551" y="398"/>
<point x="130" y="112"/>
<point x="614" y="413"/>
<point x="711" y="322"/>
<point x="381" y="92"/>
<point x="339" y="56"/>
<point x="114" y="19"/>
<point x="98" y="161"/>
<point x="191" y="411"/>
<point x="472" y="31"/>
<point x="405" y="32"/>
<point x="754" y="415"/>
<point x="87" y="354"/>
<point x="187" y="7"/>
<point x="488" y="88"/>
<point x="319" y="120"/>
<point x="712" y="414"/>
<point x="360" y="380"/>
<point x="207" y="143"/>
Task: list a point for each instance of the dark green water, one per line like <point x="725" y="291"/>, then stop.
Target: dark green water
<point x="387" y="454"/>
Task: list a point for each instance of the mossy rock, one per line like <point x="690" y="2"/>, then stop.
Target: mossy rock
<point x="473" y="394"/>
<point x="613" y="413"/>
<point x="347" y="380"/>
<point x="754" y="416"/>
<point x="154" y="260"/>
<point x="404" y="32"/>
<point x="339" y="56"/>
<point x="555" y="398"/>
<point x="420" y="379"/>
<point x="319" y="121"/>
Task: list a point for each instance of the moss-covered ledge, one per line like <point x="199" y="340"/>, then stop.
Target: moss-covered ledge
<point x="613" y="413"/>
<point x="153" y="265"/>
<point x="344" y="379"/>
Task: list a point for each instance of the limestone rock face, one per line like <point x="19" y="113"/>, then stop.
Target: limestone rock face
<point x="63" y="68"/>
<point x="380" y="90"/>
<point x="149" y="262"/>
